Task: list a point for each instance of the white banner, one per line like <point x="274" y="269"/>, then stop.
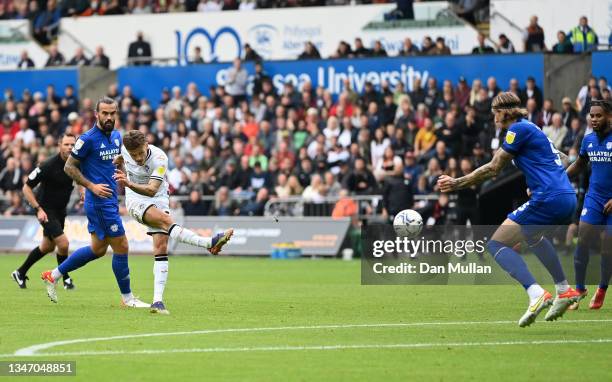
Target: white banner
<point x="14" y="39"/>
<point x="275" y="34"/>
<point x="553" y="16"/>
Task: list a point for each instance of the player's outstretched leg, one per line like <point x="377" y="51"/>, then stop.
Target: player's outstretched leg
<point x="79" y="258"/>
<point x="154" y="217"/>
<point x="512" y="263"/>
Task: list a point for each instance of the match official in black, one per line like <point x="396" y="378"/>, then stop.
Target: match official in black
<point x="50" y="201"/>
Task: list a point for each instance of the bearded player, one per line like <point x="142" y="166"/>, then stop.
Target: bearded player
<point x="596" y="148"/>
<point x="91" y="166"/>
<point x="142" y="171"/>
<point x="553" y="201"/>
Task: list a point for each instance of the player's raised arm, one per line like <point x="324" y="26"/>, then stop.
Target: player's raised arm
<point x="72" y="169"/>
<point x="482" y="173"/>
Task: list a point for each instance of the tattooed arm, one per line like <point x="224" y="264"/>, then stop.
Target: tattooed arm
<point x="482" y="173"/>
<point x="72" y="169"/>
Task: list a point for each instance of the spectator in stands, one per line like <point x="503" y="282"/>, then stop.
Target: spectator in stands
<point x="25" y="62"/>
<point x="16" y="207"/>
<point x="505" y="45"/>
<point x="532" y="91"/>
<point x="593" y="94"/>
<point x="360" y="50"/>
<point x="492" y="88"/>
<point x="197" y="56"/>
<point x="482" y="47"/>
<point x="563" y="44"/>
<point x="462" y="93"/>
<point x="250" y="54"/>
<point x="257" y="206"/>
<point x="310" y="52"/>
<point x="439" y="48"/>
<point x="409" y="49"/>
<point x="584" y="92"/>
<point x="425" y="138"/>
<point x="583" y="37"/>
<point x="360" y="180"/>
<point x="142" y="7"/>
<point x="139" y="51"/>
<point x="426" y="45"/>
<point x="378" y="50"/>
<point x="556" y="131"/>
<point x="247" y="5"/>
<point x="343" y="51"/>
<point x="100" y="59"/>
<point x="55" y="57"/>
<point x="237" y="78"/>
<point x="195" y="206"/>
<point x="534" y="36"/>
<point x="547" y="112"/>
<point x="209" y="6"/>
<point x="223" y="205"/>
<point x="574" y="135"/>
<point x="79" y="58"/>
<point x="47" y="23"/>
<point x="533" y="115"/>
<point x="404" y="11"/>
<point x="11" y="177"/>
<point x="568" y="113"/>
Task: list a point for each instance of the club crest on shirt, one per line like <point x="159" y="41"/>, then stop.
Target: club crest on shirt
<point x="117" y="142"/>
<point x="609" y="145"/>
<point x="510" y="137"/>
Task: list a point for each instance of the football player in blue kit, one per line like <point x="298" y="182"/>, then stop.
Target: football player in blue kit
<point x="91" y="166"/>
<point x="552" y="202"/>
<point x="596" y="148"/>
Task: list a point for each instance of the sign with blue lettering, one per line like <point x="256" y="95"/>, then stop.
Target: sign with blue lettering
<point x="148" y="81"/>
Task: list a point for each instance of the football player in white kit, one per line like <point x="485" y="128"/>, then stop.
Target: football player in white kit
<point x="141" y="169"/>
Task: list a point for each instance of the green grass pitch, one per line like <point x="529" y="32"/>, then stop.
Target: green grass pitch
<point x="326" y="326"/>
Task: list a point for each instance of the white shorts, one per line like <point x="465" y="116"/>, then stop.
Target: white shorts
<point x="138" y="206"/>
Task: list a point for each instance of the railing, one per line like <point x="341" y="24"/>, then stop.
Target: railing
<point x="495" y="13"/>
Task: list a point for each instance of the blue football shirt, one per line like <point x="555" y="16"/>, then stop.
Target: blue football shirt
<point x="535" y="155"/>
<point x="96" y="151"/>
<point x="599" y="153"/>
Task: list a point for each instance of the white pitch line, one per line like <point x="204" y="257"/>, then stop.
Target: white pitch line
<point x="34" y="349"/>
<point x="326" y="347"/>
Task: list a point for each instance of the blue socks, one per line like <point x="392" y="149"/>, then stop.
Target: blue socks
<point x="547" y="255"/>
<point x="511" y="262"/>
<point x="581" y="261"/>
<point x="79" y="258"/>
<point x="122" y="272"/>
<point x="606" y="270"/>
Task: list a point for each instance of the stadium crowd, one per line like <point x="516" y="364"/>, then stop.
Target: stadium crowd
<point x="243" y="151"/>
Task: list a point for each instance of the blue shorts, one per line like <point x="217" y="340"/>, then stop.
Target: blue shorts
<point x="592" y="211"/>
<point x="554" y="210"/>
<point x="104" y="220"/>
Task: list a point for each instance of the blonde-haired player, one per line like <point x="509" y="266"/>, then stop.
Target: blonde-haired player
<point x="141" y="169"/>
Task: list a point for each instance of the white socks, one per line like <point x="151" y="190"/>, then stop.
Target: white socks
<point x="127" y="296"/>
<point x="187" y="236"/>
<point x="562" y="287"/>
<point x="160" y="275"/>
<point x="56" y="274"/>
<point x="534" y="292"/>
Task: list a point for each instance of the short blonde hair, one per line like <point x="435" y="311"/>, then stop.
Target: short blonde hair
<point x="509" y="104"/>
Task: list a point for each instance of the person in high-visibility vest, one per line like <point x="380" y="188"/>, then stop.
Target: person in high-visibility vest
<point x="583" y="37"/>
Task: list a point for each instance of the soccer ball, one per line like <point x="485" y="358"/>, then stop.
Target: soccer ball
<point x="408" y="223"/>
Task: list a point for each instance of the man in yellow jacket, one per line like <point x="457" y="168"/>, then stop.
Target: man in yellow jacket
<point x="583" y="37"/>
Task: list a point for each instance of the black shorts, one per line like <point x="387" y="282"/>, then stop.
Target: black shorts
<point x="54" y="227"/>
